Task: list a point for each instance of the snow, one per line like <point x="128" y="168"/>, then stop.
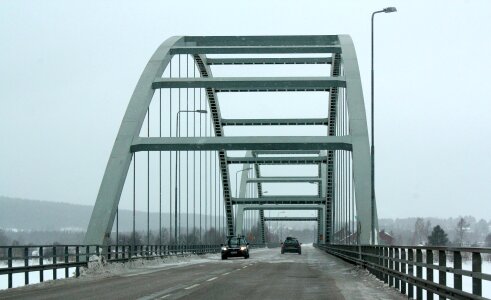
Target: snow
<point x="99" y="268"/>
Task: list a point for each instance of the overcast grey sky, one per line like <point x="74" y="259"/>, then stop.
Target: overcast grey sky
<point x="68" y="70"/>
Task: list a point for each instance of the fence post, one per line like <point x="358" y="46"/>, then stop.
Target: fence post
<point x="419" y="272"/>
<point x="41" y="262"/>
<point x="476" y="268"/>
<point x="77" y="260"/>
<point x="9" y="265"/>
<point x="457" y="265"/>
<point x="429" y="272"/>
<point x="410" y="271"/>
<point x="66" y="261"/>
<point x="54" y="262"/>
<point x="26" y="264"/>
<point x="442" y="275"/>
<point x="391" y="265"/>
<point x="385" y="250"/>
<point x="403" y="270"/>
<point x="396" y="268"/>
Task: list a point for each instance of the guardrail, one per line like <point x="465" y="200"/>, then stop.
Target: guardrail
<point x="409" y="268"/>
<point x="42" y="258"/>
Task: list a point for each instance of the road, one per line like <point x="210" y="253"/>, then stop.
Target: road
<point x="266" y="275"/>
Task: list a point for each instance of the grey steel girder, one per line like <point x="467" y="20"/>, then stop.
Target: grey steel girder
<point x="128" y="140"/>
<point x="104" y="212"/>
<point x="242" y="143"/>
<point x="286" y="152"/>
<point x="293" y="160"/>
<point x="284" y="207"/>
<point x="269" y="61"/>
<point x="251" y="84"/>
<point x="279" y="200"/>
<point x="253" y="49"/>
<point x="275" y="122"/>
<point x="300" y="219"/>
<point x="284" y="179"/>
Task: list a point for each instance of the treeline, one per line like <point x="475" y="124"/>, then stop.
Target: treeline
<point x="461" y="231"/>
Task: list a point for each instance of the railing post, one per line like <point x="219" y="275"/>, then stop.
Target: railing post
<point x="457" y="265"/>
<point x="403" y="270"/>
<point x="41" y="262"/>
<point x="396" y="268"/>
<point x="386" y="264"/>
<point x="26" y="264"/>
<point x="77" y="260"/>
<point x="419" y="272"/>
<point x="442" y="275"/>
<point x="66" y="261"/>
<point x="410" y="271"/>
<point x="391" y="265"/>
<point x="87" y="254"/>
<point x="429" y="272"/>
<point x="54" y="262"/>
<point x="9" y="265"/>
<point x="109" y="252"/>
<point x="476" y="268"/>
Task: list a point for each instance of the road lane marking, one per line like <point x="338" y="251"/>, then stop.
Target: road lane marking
<point x="244" y="267"/>
<point x="192" y="286"/>
<point x="163" y="297"/>
<point x="237" y="269"/>
<point x="211" y="279"/>
<point x="225" y="273"/>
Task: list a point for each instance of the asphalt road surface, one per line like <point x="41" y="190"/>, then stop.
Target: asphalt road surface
<point x="267" y="274"/>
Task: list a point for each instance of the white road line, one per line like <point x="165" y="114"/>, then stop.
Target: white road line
<point x="225" y="273"/>
<point x="237" y="269"/>
<point x="244" y="267"/>
<point x="192" y="286"/>
<point x="163" y="297"/>
<point x="211" y="279"/>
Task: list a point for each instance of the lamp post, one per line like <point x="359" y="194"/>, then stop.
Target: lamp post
<point x="199" y="111"/>
<point x="374" y="234"/>
<point x="236" y="184"/>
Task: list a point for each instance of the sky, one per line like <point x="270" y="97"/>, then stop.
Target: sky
<point x="68" y="70"/>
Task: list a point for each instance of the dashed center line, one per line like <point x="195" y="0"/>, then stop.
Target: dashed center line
<point x="244" y="267"/>
<point x="211" y="279"/>
<point x="225" y="273"/>
<point x="163" y="297"/>
<point x="237" y="269"/>
<point x="192" y="286"/>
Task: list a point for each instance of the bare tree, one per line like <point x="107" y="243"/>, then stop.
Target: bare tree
<point x="462" y="227"/>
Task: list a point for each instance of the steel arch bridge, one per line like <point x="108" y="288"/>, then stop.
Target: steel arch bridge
<point x="339" y="155"/>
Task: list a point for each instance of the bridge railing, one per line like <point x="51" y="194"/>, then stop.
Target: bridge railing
<point x="413" y="270"/>
<point x="35" y="261"/>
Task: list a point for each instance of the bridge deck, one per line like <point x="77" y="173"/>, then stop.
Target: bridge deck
<point x="266" y="275"/>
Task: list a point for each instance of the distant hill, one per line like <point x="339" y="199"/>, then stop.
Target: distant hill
<point x="24" y="214"/>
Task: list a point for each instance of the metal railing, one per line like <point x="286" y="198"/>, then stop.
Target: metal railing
<point x="408" y="268"/>
<point x="42" y="258"/>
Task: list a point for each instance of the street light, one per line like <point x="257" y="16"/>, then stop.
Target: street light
<point x="374" y="234"/>
<point x="199" y="111"/>
<point x="236" y="175"/>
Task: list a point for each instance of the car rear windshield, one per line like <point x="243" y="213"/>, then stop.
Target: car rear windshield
<point x="291" y="242"/>
<point x="235" y="242"/>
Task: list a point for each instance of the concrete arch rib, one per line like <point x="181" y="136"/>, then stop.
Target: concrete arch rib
<point x="101" y="221"/>
<point x="359" y="134"/>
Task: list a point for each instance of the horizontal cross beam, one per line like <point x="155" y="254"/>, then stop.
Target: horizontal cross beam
<point x="284" y="207"/>
<point x="284" y="179"/>
<point x="286" y="152"/>
<point x="280" y="200"/>
<point x="269" y="61"/>
<point x="293" y="160"/>
<point x="242" y="143"/>
<point x="251" y="84"/>
<point x="291" y="219"/>
<point x="253" y="49"/>
<point x="275" y="122"/>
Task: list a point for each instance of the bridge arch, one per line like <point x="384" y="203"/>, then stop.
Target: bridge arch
<point x="343" y="83"/>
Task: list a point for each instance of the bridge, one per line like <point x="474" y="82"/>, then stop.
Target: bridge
<point x="294" y="139"/>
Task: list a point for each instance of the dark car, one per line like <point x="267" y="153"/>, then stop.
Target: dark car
<point x="291" y="244"/>
<point x="236" y="246"/>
